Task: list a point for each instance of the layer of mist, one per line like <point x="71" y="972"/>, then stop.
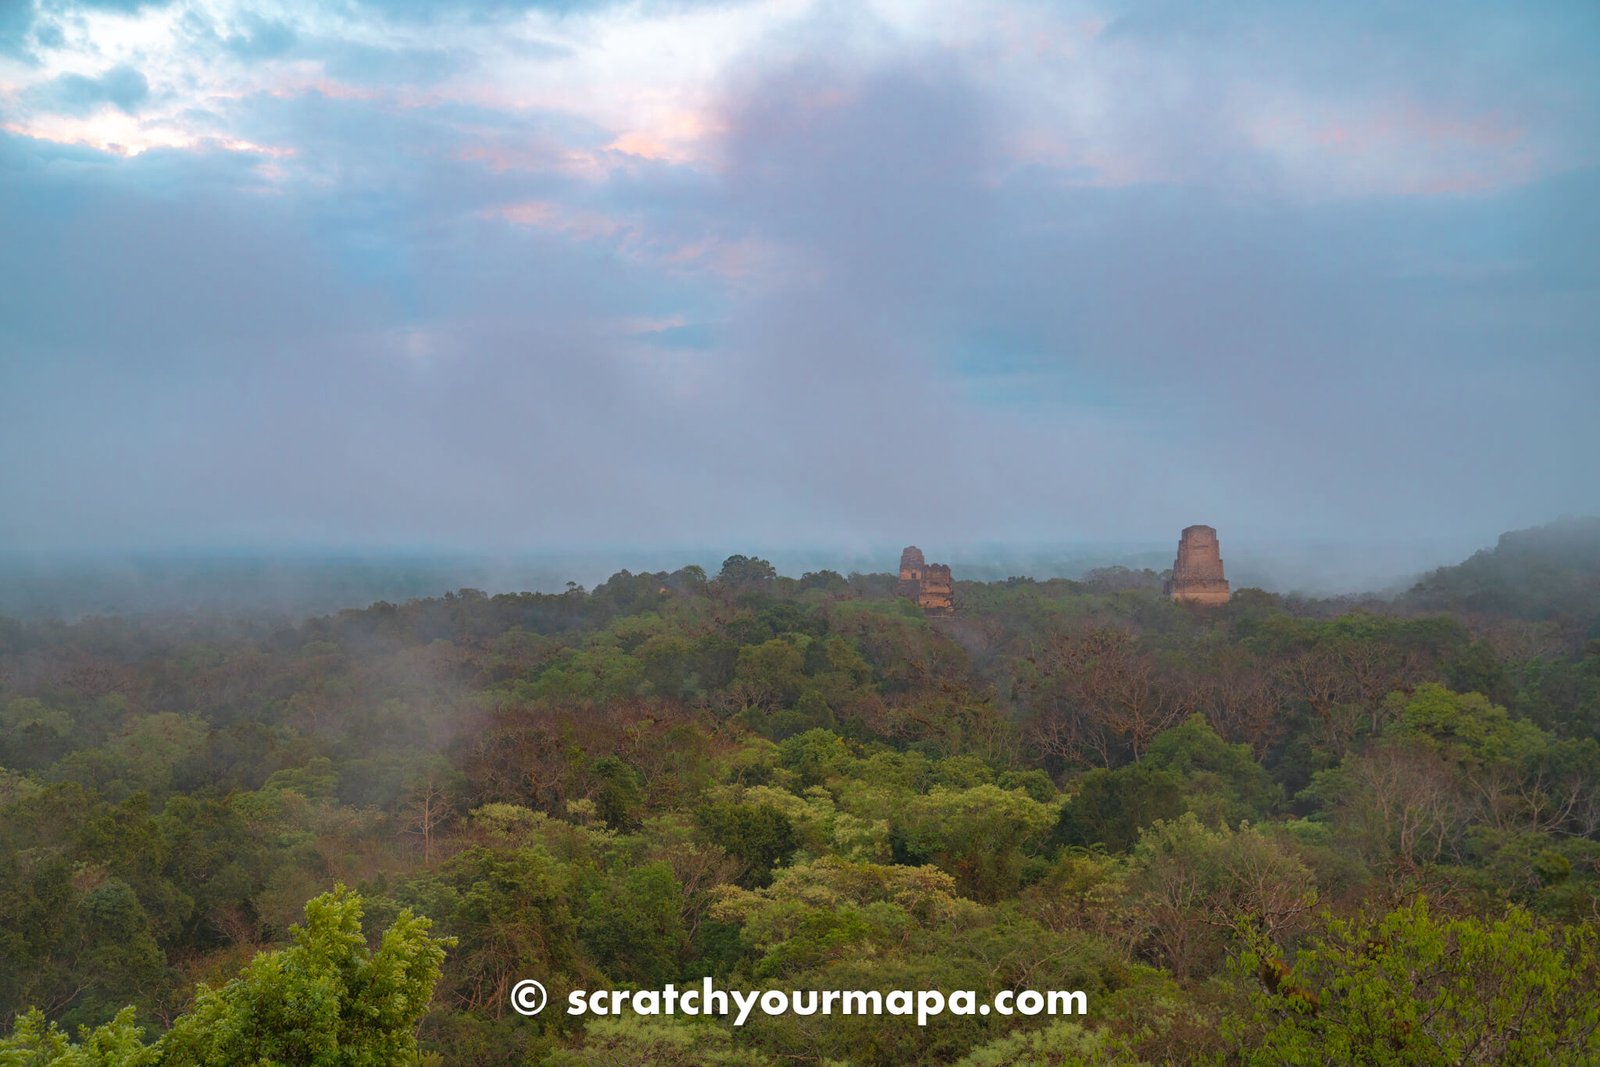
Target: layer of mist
<point x="295" y="584"/>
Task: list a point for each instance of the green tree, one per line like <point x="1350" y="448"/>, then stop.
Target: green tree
<point x="745" y="572"/>
<point x="38" y="1043"/>
<point x="1192" y="885"/>
<point x="1062" y="1044"/>
<point x="510" y="915"/>
<point x="325" y="1001"/>
<point x="634" y="925"/>
<point x="759" y="835"/>
<point x="1415" y="988"/>
<point x="618" y="792"/>
<point x="635" y="1042"/>
<point x="116" y="954"/>
<point x="983" y="835"/>
<point x="1111" y="807"/>
<point x="831" y="910"/>
<point x="770" y="675"/>
<point x="1223" y="782"/>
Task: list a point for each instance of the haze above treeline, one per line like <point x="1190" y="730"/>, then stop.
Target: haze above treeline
<point x="753" y="276"/>
<point x="295" y="583"/>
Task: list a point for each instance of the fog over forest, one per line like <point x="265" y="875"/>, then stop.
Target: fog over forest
<point x="297" y="583"/>
<point x="510" y="501"/>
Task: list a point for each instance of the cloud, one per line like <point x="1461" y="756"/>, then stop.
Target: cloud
<point x="15" y="21"/>
<point x="434" y="11"/>
<point x="119" y="6"/>
<point x="123" y="87"/>
<point x="793" y="272"/>
<point x="259" y="38"/>
<point x="365" y="64"/>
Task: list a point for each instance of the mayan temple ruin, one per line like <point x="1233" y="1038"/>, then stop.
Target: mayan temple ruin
<point x="1197" y="572"/>
<point x="929" y="584"/>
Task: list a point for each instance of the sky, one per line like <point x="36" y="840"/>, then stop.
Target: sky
<point x="525" y="274"/>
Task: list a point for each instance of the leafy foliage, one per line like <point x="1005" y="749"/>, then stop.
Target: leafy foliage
<point x="1220" y="825"/>
<point x="326" y="1001"/>
<point x="1413" y="987"/>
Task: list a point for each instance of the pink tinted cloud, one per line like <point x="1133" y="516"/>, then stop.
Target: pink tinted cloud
<point x="740" y="261"/>
<point x="1398" y="147"/>
<point x="547" y="215"/>
<point x="1411" y="123"/>
<point x="535" y="157"/>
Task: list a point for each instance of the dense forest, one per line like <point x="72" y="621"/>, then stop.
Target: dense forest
<point x="1279" y="831"/>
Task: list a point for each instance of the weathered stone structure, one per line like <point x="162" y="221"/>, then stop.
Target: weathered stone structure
<point x="929" y="584"/>
<point x="911" y="567"/>
<point x="1197" y="572"/>
<point x="938" y="596"/>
